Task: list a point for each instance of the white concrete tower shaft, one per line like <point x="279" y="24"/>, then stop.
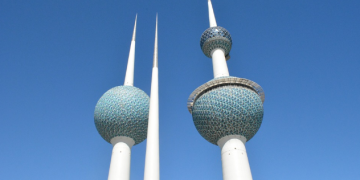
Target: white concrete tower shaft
<point x="129" y="76"/>
<point x="218" y="55"/>
<point x="120" y="158"/>
<point x="152" y="164"/>
<point x="235" y="163"/>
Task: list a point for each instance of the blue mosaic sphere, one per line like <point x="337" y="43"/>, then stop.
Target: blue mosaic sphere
<point x="213" y="38"/>
<point x="228" y="110"/>
<point x="123" y="111"/>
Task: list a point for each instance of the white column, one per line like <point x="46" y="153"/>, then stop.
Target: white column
<point x="129" y="76"/>
<point x="235" y="163"/>
<point x="219" y="63"/>
<point x="120" y="158"/>
<point x="152" y="164"/>
<point x="212" y="19"/>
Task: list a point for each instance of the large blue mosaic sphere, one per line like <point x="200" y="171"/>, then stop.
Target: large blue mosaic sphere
<point x="123" y="111"/>
<point x="228" y="110"/>
<point x="215" y="37"/>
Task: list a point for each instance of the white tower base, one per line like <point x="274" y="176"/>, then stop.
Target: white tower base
<point x="219" y="63"/>
<point x="235" y="163"/>
<point x="120" y="158"/>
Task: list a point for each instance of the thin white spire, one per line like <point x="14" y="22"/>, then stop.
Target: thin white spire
<point x="212" y="19"/>
<point x="152" y="164"/>
<point x="155" y="63"/>
<point x="134" y="32"/>
<point x="129" y="77"/>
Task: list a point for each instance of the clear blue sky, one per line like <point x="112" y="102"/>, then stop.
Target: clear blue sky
<point x="58" y="57"/>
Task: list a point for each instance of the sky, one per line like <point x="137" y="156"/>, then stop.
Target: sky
<point x="57" y="58"/>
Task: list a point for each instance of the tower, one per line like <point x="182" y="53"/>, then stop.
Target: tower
<point x="227" y="111"/>
<point x="121" y="118"/>
<point x="152" y="164"/>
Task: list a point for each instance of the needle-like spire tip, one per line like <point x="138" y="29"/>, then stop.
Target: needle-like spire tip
<point x="129" y="76"/>
<point x="134" y="33"/>
<point x="155" y="64"/>
<point x="211" y="15"/>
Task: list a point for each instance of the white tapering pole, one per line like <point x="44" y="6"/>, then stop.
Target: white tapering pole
<point x="129" y="76"/>
<point x="212" y="19"/>
<point x="235" y="163"/>
<point x="152" y="164"/>
<point x="120" y="158"/>
<point x="219" y="63"/>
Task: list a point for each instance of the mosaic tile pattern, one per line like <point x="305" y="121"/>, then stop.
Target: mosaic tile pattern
<point x="224" y="81"/>
<point x="215" y="37"/>
<point x="123" y="111"/>
<point x="228" y="110"/>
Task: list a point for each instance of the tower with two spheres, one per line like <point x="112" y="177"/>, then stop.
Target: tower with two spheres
<point x="227" y="111"/>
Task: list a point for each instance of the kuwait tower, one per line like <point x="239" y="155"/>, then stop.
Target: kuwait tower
<point x="121" y="118"/>
<point x="227" y="111"/>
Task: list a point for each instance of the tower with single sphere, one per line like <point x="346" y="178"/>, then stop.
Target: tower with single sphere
<point x="227" y="111"/>
<point x="121" y="118"/>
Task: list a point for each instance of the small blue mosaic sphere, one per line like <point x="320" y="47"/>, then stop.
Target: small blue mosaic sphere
<point x="123" y="111"/>
<point x="213" y="38"/>
<point x="228" y="110"/>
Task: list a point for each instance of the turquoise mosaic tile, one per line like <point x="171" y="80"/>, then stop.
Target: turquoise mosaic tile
<point x="228" y="110"/>
<point x="215" y="37"/>
<point x="123" y="111"/>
